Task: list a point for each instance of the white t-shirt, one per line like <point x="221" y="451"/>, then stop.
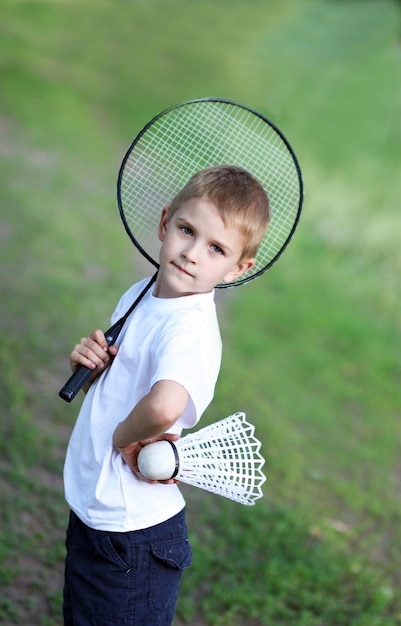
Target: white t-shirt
<point x="175" y="339"/>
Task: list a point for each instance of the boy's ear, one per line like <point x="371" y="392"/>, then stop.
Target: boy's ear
<point x="163" y="223"/>
<point x="242" y="267"/>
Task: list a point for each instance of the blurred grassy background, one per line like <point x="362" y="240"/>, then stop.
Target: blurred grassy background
<point x="312" y="349"/>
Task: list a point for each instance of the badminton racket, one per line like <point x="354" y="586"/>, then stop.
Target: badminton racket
<point x="176" y="144"/>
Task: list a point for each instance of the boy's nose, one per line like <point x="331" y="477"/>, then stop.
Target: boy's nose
<point x="189" y="254"/>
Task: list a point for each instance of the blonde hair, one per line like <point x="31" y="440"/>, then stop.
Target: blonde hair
<point x="240" y="199"/>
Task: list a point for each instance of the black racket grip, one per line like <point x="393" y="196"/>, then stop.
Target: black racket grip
<point x="82" y="374"/>
<point x="75" y="383"/>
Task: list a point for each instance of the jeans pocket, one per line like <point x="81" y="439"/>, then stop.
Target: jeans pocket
<point x="116" y="547"/>
<point x="169" y="559"/>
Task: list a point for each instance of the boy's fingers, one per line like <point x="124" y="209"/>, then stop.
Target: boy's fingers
<point x="88" y="360"/>
<point x="90" y="354"/>
<point x="113" y="349"/>
<point x="168" y="437"/>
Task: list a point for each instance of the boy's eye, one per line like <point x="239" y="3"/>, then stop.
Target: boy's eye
<point x="217" y="249"/>
<point x="186" y="230"/>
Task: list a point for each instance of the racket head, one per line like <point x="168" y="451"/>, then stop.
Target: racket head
<point x="192" y="135"/>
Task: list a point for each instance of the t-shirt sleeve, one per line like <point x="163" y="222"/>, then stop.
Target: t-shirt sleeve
<point x="191" y="357"/>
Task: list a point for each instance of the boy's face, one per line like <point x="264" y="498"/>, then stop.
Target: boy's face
<point x="198" y="250"/>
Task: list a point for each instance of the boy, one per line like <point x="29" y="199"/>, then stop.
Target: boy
<point x="127" y="540"/>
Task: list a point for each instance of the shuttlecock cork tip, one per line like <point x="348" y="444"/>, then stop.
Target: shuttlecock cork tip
<point x="158" y="461"/>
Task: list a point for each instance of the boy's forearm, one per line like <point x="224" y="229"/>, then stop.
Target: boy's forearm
<point x="140" y="424"/>
<point x="153" y="415"/>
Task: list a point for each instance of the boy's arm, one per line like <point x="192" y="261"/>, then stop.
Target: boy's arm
<point x="148" y="422"/>
<point x="153" y="415"/>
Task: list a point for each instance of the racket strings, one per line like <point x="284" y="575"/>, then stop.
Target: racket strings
<point x="198" y="134"/>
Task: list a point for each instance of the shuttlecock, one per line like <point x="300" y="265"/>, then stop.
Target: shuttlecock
<point x="222" y="458"/>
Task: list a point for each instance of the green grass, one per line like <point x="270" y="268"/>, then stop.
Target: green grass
<point x="311" y="349"/>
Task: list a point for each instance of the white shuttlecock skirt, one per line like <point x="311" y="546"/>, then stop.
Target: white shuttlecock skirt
<point x="223" y="458"/>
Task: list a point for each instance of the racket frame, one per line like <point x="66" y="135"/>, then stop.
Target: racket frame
<point x="240" y="281"/>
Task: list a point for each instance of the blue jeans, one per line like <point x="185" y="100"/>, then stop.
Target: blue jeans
<point x="124" y="579"/>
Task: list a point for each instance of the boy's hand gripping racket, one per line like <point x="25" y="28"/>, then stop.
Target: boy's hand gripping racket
<point x="176" y="144"/>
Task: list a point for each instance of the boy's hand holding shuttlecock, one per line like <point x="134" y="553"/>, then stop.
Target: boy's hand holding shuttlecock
<point x="131" y="451"/>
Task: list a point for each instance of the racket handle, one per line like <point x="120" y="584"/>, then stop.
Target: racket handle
<point x="82" y="374"/>
<point x="75" y="383"/>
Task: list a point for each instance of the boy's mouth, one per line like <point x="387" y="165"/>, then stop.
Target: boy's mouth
<point x="181" y="269"/>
